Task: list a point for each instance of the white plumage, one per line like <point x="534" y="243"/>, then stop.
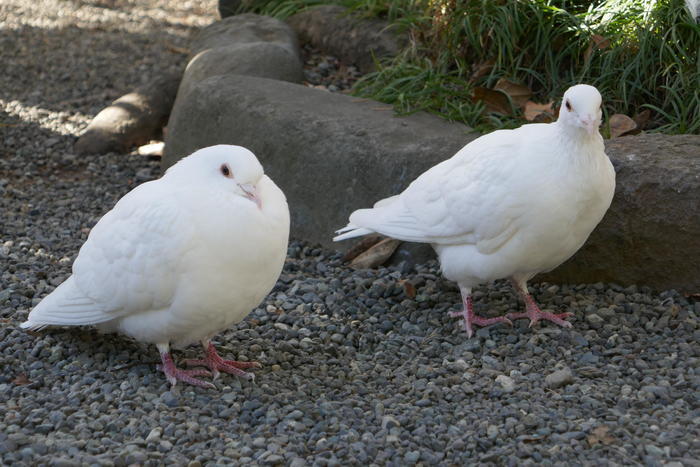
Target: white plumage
<point x="512" y="203"/>
<point x="180" y="258"/>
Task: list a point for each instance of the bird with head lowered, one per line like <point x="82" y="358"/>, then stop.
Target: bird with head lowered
<point x="179" y="259"/>
<point x="510" y="204"/>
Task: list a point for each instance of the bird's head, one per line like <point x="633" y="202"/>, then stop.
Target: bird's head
<point x="581" y="107"/>
<point x="232" y="168"/>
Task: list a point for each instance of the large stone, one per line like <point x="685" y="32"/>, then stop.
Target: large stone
<point x="246" y="44"/>
<point x="330" y="153"/>
<point x="264" y="59"/>
<point x="354" y="40"/>
<point x="245" y="28"/>
<point x="131" y="120"/>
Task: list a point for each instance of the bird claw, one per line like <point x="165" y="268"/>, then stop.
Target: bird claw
<point x="536" y="315"/>
<point x="217" y="364"/>
<point x="470" y="319"/>
<point x="174" y="374"/>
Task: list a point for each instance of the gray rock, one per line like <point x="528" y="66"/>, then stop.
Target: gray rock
<point x="594" y="320"/>
<point x="154" y="435"/>
<point x="506" y="383"/>
<point x="293" y="129"/>
<point x="353" y="39"/>
<point x="246" y="44"/>
<point x="264" y="59"/>
<point x="245" y="29"/>
<point x="559" y="378"/>
<point x="131" y="120"/>
<point x="411" y="457"/>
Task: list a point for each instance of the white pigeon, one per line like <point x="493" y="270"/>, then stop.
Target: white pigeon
<point x="179" y="259"/>
<point x="510" y="204"/>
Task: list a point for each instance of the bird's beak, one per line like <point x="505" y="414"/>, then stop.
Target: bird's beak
<point x="590" y="123"/>
<point x="251" y="193"/>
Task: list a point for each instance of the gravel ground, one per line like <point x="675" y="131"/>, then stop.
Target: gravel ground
<point x="357" y="370"/>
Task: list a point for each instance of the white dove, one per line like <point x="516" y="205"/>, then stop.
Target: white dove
<point x="512" y="204"/>
<point x="179" y="259"/>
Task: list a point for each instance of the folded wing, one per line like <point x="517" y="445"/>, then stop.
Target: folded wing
<point x="129" y="263"/>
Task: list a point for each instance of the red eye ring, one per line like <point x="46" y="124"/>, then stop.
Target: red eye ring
<point x="226" y="170"/>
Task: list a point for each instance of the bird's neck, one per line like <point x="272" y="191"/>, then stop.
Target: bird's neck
<point x="578" y="141"/>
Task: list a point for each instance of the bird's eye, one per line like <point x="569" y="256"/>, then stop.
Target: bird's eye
<point x="568" y="106"/>
<point x="225" y="170"/>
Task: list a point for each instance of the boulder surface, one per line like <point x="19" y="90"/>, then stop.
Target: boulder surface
<point x="244" y="44"/>
<point x="337" y="31"/>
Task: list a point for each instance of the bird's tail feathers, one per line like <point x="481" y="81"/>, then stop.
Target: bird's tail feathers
<point x="351" y="231"/>
<point x="66" y="306"/>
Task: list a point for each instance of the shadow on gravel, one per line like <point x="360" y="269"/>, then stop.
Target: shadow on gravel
<point x="87" y="66"/>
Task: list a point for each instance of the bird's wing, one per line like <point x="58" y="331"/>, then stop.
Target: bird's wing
<point x="471" y="198"/>
<point x="129" y="263"/>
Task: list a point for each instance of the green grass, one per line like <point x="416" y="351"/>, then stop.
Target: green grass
<point x="650" y="60"/>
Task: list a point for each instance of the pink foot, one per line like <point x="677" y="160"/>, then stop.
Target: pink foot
<point x="217" y="364"/>
<point x="174" y="374"/>
<point x="535" y="315"/>
<point x="533" y="312"/>
<point x="470" y="318"/>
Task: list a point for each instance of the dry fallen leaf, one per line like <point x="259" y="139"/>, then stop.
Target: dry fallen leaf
<point x="600" y="435"/>
<point x="518" y="93"/>
<point x="642" y="118"/>
<point x="598" y="42"/>
<point x="621" y="124"/>
<point x="177" y="50"/>
<point x="482" y="69"/>
<point x="535" y="112"/>
<point x="21" y="380"/>
<point x="408" y="288"/>
<point x="495" y="101"/>
<point x="367" y="242"/>
<point x="376" y="255"/>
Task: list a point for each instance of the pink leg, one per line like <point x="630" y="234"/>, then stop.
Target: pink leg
<point x="470" y="318"/>
<point x="174" y="374"/>
<point x="216" y="363"/>
<point x="533" y="312"/>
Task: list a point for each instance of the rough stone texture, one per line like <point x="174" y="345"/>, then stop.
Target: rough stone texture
<point x="651" y="234"/>
<point x="354" y="40"/>
<point x="319" y="147"/>
<point x="131" y="120"/>
<point x="264" y="59"/>
<point x="245" y="28"/>
<point x="245" y="44"/>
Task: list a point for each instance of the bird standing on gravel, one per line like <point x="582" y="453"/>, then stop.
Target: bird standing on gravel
<point x="179" y="259"/>
<point x="512" y="204"/>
